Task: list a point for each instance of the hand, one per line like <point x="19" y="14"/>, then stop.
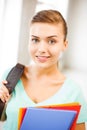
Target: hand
<point x="4" y="93"/>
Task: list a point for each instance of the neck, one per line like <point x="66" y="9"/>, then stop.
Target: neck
<point x="40" y="71"/>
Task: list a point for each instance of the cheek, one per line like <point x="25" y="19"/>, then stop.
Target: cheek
<point x="57" y="54"/>
<point x="55" y="51"/>
<point x="32" y="50"/>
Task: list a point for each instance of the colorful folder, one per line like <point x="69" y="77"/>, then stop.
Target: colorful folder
<point x="47" y="119"/>
<point x="70" y="106"/>
<point x="22" y="112"/>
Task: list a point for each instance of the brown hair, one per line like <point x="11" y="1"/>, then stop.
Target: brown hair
<point x="52" y="17"/>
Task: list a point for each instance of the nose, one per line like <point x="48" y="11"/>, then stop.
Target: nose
<point x="42" y="47"/>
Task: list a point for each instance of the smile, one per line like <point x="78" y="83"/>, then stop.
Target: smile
<point x="42" y="58"/>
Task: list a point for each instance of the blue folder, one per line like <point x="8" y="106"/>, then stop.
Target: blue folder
<point x="47" y="119"/>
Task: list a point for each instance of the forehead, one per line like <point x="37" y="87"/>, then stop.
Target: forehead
<point x="46" y="29"/>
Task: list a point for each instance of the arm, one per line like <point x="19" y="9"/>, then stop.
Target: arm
<point x="80" y="126"/>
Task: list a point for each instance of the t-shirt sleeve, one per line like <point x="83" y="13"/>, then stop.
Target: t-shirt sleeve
<point x="83" y="111"/>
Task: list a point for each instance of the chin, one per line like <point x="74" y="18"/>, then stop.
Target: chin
<point x="44" y="65"/>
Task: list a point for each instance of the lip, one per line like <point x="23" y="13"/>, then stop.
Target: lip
<point x="42" y="58"/>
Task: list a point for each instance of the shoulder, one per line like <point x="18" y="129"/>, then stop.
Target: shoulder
<point x="71" y="84"/>
<point x="76" y="95"/>
<point x="73" y="90"/>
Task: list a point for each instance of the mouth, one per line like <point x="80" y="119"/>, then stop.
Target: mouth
<point x="42" y="58"/>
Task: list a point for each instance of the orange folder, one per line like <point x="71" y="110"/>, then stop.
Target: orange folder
<point x="22" y="112"/>
<point x="69" y="106"/>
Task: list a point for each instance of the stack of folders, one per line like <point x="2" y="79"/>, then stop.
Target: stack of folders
<point x="51" y="117"/>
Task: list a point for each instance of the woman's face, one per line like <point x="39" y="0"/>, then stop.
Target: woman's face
<point x="46" y="42"/>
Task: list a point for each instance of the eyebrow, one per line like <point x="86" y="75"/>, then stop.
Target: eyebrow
<point x="34" y="36"/>
<point x="52" y="36"/>
<point x="47" y="37"/>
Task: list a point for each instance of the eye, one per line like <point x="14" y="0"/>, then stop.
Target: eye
<point x="34" y="40"/>
<point x="52" y="41"/>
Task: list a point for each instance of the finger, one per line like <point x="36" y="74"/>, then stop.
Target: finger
<point x="5" y="90"/>
<point x="4" y="93"/>
<point x="4" y="82"/>
<point x="3" y="96"/>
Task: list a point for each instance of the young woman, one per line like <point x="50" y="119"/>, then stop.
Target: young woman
<point x="42" y="83"/>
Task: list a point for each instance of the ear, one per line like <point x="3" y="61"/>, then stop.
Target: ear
<point x="65" y="45"/>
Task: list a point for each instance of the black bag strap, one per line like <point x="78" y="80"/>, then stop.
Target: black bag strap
<point x="12" y="79"/>
<point x="13" y="76"/>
